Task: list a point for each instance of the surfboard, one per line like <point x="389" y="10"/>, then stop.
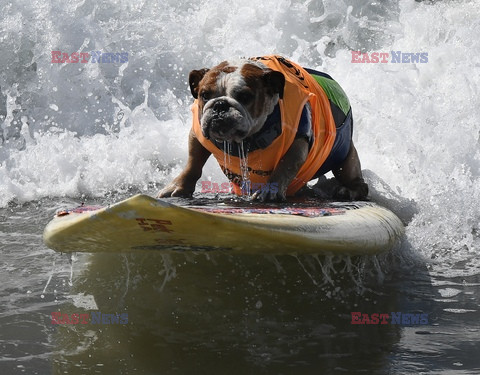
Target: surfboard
<point x="143" y="223"/>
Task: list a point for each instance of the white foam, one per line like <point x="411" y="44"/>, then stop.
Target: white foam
<point x="84" y="301"/>
<point x="449" y="292"/>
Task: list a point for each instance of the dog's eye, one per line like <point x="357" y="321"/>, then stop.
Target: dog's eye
<point x="245" y="97"/>
<point x="206" y="96"/>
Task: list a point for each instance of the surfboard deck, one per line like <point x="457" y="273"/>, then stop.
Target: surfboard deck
<point x="143" y="223"/>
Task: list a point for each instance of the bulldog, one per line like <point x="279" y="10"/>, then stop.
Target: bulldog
<point x="270" y="122"/>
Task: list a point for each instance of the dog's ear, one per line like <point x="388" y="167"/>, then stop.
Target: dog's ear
<point x="194" y="79"/>
<point x="275" y="81"/>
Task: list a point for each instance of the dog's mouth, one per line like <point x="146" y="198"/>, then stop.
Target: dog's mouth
<point x="221" y="130"/>
<point x="224" y="126"/>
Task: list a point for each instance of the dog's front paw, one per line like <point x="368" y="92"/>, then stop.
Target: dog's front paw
<point x="358" y="190"/>
<point x="176" y="189"/>
<point x="269" y="196"/>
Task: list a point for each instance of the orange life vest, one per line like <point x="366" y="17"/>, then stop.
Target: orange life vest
<point x="300" y="87"/>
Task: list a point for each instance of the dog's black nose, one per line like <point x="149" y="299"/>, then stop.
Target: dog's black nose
<point x="220" y="105"/>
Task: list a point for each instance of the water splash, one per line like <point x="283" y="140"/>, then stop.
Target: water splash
<point x="227" y="160"/>
<point x="52" y="272"/>
<point x="168" y="271"/>
<point x="71" y="261"/>
<point x="121" y="301"/>
<point x="244" y="170"/>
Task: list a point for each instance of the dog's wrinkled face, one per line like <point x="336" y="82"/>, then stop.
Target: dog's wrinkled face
<point x="234" y="99"/>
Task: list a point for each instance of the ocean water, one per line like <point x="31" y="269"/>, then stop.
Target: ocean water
<point x="100" y="132"/>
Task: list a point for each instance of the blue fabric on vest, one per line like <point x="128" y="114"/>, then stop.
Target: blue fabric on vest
<point x="340" y="148"/>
